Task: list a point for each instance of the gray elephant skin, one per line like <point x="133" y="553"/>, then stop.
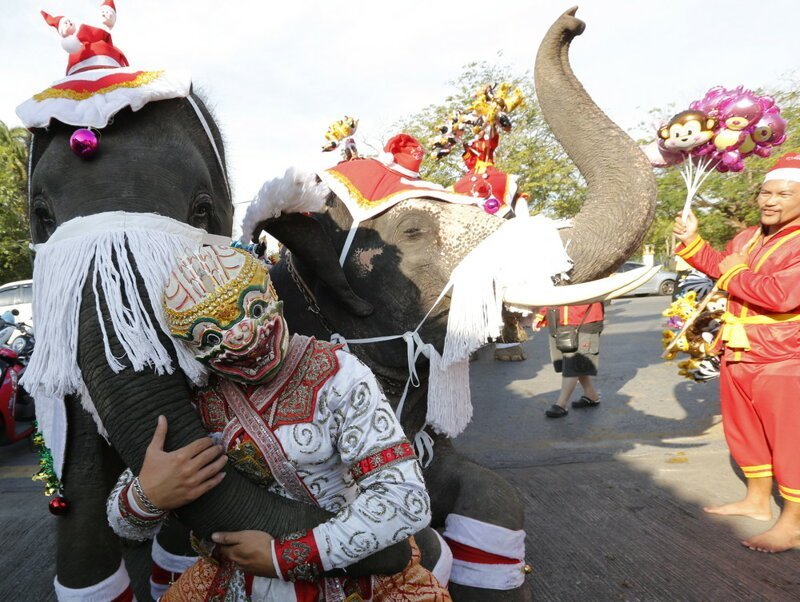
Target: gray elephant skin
<point x="159" y="160"/>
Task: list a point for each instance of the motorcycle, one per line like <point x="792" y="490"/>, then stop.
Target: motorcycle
<point x="17" y="410"/>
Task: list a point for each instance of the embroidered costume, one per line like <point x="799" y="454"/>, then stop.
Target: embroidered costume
<point x="299" y="416"/>
<point x="759" y="378"/>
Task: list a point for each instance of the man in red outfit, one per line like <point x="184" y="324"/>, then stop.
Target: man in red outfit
<point x="760" y="375"/>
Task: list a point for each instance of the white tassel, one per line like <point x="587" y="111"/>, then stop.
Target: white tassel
<point x="449" y="400"/>
<point x="60" y="272"/>
<point x="295" y="192"/>
<point x="520" y="251"/>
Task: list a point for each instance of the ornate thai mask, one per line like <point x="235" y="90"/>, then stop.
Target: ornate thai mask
<point x="221" y="302"/>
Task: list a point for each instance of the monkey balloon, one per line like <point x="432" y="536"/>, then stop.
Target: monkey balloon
<point x="687" y="130"/>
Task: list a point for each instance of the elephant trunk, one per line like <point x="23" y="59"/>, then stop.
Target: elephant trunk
<point x="620" y="201"/>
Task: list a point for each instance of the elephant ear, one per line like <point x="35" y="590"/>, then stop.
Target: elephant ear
<point x="284" y="207"/>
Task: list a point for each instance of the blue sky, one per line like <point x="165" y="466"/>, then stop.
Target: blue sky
<point x="279" y="73"/>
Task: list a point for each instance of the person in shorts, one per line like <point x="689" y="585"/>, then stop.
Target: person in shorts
<point x="579" y="366"/>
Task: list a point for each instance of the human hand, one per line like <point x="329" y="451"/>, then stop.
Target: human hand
<point x="250" y="550"/>
<point x="173" y="479"/>
<point x="685" y="231"/>
<point x="731" y="260"/>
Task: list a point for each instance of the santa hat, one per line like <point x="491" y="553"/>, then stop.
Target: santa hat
<point x="407" y="153"/>
<point x="52" y="21"/>
<point x="785" y="168"/>
<point x="109" y="4"/>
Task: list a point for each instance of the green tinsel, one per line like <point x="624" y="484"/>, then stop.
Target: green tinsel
<point x="46" y="474"/>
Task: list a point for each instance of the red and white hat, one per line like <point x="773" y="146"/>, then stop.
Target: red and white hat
<point x="785" y="168"/>
<point x="109" y="4"/>
<point x="56" y="22"/>
<point x="407" y="153"/>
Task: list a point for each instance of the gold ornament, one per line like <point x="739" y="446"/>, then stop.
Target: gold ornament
<point x="222" y="304"/>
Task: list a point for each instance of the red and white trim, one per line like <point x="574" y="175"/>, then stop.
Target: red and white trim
<point x="381" y="459"/>
<point x="485" y="555"/>
<point x="444" y="566"/>
<point x="100" y="61"/>
<point x="91" y="98"/>
<point x="784" y="173"/>
<point x="403" y="170"/>
<point x="166" y="569"/>
<point x="297" y="557"/>
<point x="116" y="588"/>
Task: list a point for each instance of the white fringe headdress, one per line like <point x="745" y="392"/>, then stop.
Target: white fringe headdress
<point x="111" y="249"/>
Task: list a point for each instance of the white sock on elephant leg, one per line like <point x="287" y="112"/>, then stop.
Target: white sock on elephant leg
<point x="485" y="555"/>
<point x="167" y="567"/>
<point x="444" y="566"/>
<point x="116" y="588"/>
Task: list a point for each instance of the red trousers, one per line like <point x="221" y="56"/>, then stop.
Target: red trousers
<point x="761" y="418"/>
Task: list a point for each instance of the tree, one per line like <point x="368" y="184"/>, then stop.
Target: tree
<point x="15" y="257"/>
<point x="530" y="150"/>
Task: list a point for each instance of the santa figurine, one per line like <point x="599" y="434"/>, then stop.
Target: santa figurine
<point x="407" y="154"/>
<point x="89" y="47"/>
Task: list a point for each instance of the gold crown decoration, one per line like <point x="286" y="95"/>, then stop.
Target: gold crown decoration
<point x="206" y="283"/>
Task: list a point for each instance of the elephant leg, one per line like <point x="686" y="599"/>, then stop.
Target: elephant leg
<point x="88" y="559"/>
<point x="482" y="516"/>
<point x="172" y="554"/>
<point x="509" y="347"/>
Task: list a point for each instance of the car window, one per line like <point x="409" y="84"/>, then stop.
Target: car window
<point x="25" y="294"/>
<point x="8" y="296"/>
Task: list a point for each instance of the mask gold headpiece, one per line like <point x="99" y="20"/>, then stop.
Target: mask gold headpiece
<point x="208" y="284"/>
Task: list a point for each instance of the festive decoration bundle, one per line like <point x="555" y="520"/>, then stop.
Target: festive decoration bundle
<point x="481" y="123"/>
<point x="692" y="330"/>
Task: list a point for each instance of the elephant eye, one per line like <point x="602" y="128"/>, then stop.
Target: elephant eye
<point x="211" y="339"/>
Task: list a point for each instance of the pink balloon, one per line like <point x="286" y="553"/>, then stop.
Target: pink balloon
<point x="731" y="158"/>
<point x="763" y="151"/>
<point x="770" y="128"/>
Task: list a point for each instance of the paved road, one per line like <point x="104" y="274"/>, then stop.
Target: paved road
<point x="614" y="495"/>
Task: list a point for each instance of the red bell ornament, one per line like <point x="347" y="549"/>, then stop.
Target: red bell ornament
<point x="58" y="506"/>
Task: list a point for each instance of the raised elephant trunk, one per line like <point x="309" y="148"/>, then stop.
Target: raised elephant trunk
<point x="620" y="202"/>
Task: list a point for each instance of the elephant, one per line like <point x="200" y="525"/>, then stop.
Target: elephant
<point x="402" y="258"/>
<point x="159" y="160"/>
<point x="159" y="152"/>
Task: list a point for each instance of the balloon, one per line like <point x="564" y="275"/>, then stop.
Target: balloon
<point x="687" y="130"/>
<point x="741" y="123"/>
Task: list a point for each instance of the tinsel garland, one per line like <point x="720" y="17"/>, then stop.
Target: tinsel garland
<point x="46" y="474"/>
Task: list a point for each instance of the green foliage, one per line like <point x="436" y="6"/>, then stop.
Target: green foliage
<point x="530" y="150"/>
<point x="15" y="258"/>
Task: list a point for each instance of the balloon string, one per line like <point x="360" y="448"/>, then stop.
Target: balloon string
<point x="694" y="177"/>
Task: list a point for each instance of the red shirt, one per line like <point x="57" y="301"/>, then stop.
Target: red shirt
<point x="768" y="283"/>
<point x="573" y="315"/>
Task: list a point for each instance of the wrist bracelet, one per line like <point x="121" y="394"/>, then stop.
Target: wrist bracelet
<point x="148" y="505"/>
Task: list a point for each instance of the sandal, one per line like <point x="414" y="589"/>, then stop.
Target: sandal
<point x="585" y="402"/>
<point x="556" y="411"/>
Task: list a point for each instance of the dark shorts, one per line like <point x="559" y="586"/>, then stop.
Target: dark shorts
<point x="583" y="362"/>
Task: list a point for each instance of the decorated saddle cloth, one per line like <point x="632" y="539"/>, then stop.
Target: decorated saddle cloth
<point x="369" y="187"/>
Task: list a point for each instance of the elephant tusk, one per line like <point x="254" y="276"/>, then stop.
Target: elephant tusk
<point x="602" y="289"/>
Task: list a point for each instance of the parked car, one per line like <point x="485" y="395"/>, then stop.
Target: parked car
<point x="18" y="295"/>
<point x="663" y="283"/>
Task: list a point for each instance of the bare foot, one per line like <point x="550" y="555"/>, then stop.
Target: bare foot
<point x="743" y="508"/>
<point x="779" y="538"/>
